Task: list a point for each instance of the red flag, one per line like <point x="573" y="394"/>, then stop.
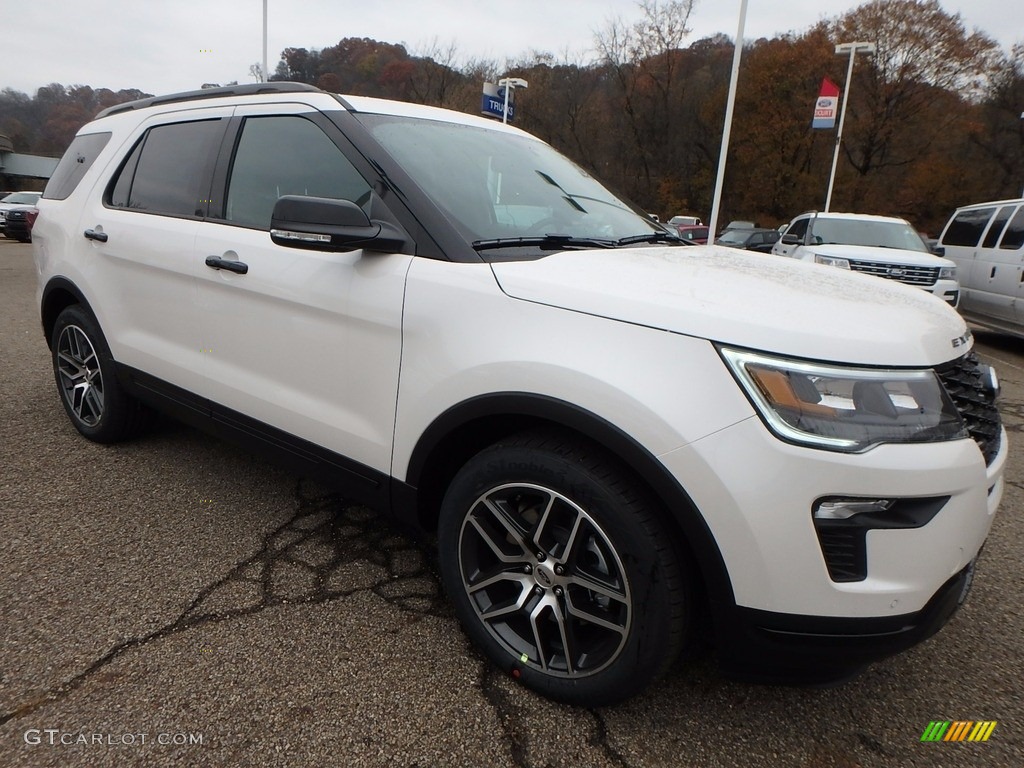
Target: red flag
<point x="826" y="106"/>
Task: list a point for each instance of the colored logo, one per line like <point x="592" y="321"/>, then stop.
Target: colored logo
<point x="959" y="730"/>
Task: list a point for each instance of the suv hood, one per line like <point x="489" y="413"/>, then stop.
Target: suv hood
<point x="747" y="299"/>
<point x="876" y="253"/>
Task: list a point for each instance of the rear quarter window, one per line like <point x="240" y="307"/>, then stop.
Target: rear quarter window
<point x="966" y="227"/>
<point x="74" y="164"/>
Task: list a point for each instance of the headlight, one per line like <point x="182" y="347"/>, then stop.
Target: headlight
<point x="846" y="409"/>
<point x="831" y="261"/>
<point x="947" y="273"/>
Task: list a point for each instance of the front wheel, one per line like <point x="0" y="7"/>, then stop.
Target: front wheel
<point x="561" y="571"/>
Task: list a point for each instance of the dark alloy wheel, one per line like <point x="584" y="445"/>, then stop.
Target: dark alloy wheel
<point x="86" y="381"/>
<point x="560" y="570"/>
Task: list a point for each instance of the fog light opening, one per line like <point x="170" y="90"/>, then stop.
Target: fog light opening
<point x="844" y="509"/>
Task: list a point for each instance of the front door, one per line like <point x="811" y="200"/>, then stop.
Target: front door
<point x="304" y="341"/>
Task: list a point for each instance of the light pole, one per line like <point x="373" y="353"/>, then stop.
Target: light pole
<point x="509" y="84"/>
<point x="853" y="49"/>
<point x="266" y="75"/>
<point x="727" y="130"/>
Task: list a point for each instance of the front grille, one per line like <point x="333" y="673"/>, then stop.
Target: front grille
<point x="975" y="400"/>
<point x="925" y="276"/>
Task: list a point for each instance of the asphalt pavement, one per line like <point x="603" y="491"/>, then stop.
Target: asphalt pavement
<point x="174" y="602"/>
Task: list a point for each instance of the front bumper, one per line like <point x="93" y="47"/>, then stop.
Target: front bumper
<point x="788" y="617"/>
<point x="764" y="647"/>
<point x="947" y="290"/>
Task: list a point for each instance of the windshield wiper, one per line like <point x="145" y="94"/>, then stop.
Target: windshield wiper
<point x="653" y="237"/>
<point x="553" y="242"/>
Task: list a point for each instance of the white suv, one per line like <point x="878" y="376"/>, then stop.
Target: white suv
<point x="883" y="246"/>
<point x="615" y="438"/>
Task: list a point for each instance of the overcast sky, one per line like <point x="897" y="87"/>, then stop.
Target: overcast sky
<point x="162" y="46"/>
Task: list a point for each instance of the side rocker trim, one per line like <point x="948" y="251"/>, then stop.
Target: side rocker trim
<point x="358" y="482"/>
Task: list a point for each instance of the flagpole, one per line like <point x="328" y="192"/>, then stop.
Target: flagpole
<point x="853" y="48"/>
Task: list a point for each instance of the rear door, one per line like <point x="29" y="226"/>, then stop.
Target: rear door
<point x="139" y="236"/>
<point x="303" y="341"/>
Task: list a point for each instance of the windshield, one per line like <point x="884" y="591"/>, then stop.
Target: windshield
<point x="22" y="198"/>
<point x="884" y="234"/>
<point x="496" y="186"/>
<point x="736" y="236"/>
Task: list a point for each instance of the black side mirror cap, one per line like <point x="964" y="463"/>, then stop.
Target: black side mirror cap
<point x="790" y="240"/>
<point x="327" y="224"/>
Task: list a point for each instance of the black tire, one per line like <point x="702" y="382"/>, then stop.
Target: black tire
<point x="87" y="383"/>
<point x="597" y="574"/>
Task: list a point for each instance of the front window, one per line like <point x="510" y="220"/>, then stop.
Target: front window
<point x="286" y="155"/>
<point x="881" y="234"/>
<point x="495" y="185"/>
<point x="967" y="226"/>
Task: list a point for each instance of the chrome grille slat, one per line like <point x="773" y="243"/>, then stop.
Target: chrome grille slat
<point x="925" y="276"/>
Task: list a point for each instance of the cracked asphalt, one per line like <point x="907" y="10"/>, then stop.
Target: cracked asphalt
<point x="175" y="602"/>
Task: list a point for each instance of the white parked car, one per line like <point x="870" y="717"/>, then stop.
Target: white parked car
<point x="613" y="436"/>
<point x="883" y="246"/>
<point x="685" y="221"/>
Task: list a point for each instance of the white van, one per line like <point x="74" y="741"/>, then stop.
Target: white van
<point x="986" y="241"/>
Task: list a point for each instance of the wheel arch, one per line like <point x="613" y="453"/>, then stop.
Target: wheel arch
<point x="467" y="428"/>
<point x="59" y="294"/>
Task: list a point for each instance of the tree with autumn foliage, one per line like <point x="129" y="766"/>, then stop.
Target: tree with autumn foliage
<point x="908" y="101"/>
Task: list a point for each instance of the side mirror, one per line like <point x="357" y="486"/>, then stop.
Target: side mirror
<point x="938" y="250"/>
<point x="326" y="224"/>
<point x="791" y="240"/>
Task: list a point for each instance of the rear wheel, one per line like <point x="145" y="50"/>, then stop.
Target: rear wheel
<point x="561" y="571"/>
<point x="86" y="381"/>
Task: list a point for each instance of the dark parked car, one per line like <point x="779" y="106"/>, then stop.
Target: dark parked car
<point x="19" y="224"/>
<point x="760" y="240"/>
<point x="739" y="225"/>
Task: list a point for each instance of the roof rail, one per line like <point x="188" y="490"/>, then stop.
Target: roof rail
<point x="245" y="89"/>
